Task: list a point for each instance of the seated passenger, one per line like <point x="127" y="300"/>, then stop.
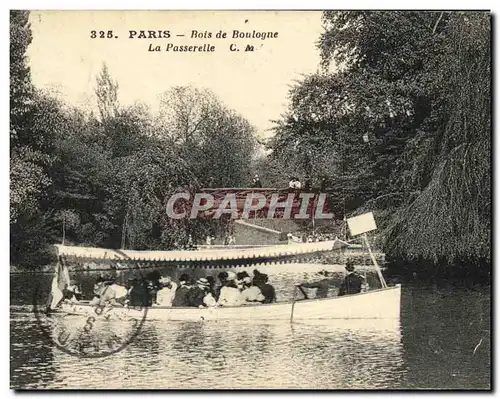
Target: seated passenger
<point x="251" y="292"/>
<point x="153" y="279"/>
<point x="138" y="294"/>
<point x="200" y="296"/>
<point x="130" y="284"/>
<point x="111" y="293"/>
<point x="209" y="300"/>
<point x="322" y="286"/>
<point x="97" y="283"/>
<point x="222" y="282"/>
<point x="97" y="290"/>
<point x="181" y="294"/>
<point x="260" y="280"/>
<point x="230" y="295"/>
<point x="308" y="185"/>
<point x="197" y="293"/>
<point x="166" y="293"/>
<point x="211" y="284"/>
<point x="72" y="292"/>
<point x="243" y="280"/>
<point x="353" y="282"/>
<point x="209" y="240"/>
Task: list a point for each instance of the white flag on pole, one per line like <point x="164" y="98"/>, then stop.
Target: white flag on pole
<point x="362" y="224"/>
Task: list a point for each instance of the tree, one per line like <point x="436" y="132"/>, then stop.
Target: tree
<point x="21" y="88"/>
<point x="215" y="141"/>
<point x="407" y="108"/>
<point x="107" y="94"/>
<point x="30" y="225"/>
<point x="454" y="203"/>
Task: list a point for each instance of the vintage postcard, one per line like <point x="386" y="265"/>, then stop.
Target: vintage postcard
<point x="250" y="200"/>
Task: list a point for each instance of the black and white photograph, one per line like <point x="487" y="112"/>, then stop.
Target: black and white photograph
<point x="250" y="200"/>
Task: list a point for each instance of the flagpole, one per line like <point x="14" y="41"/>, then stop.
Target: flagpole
<point x="375" y="263"/>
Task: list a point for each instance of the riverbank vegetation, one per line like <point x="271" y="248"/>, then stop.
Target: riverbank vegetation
<point x="102" y="177"/>
<point x="396" y="121"/>
<point x="399" y="121"/>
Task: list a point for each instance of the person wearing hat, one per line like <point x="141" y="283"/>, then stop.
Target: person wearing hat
<point x="294" y="184"/>
<point x="112" y="293"/>
<point x="101" y="282"/>
<point x="322" y="286"/>
<point x="267" y="290"/>
<point x="129" y="285"/>
<point x="181" y="298"/>
<point x="198" y="294"/>
<point x="166" y="293"/>
<point x="72" y="292"/>
<point x="211" y="283"/>
<point x="353" y="282"/>
<point x="222" y="276"/>
<point x="230" y="295"/>
<point x="208" y="287"/>
<point x="243" y="280"/>
<point x="251" y="292"/>
<point x="138" y="294"/>
<point x="208" y="298"/>
<point x="231" y="277"/>
<point x="256" y="183"/>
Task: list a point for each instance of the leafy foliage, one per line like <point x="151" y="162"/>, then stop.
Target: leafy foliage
<point x="399" y="120"/>
<point x="217" y="142"/>
<point x="456" y="203"/>
<point x="105" y="181"/>
<point x="20" y="79"/>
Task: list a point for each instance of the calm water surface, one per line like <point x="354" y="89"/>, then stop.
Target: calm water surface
<point x="442" y="341"/>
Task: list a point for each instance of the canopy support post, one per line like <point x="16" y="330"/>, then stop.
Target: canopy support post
<point x="64" y="229"/>
<point x="375" y="263"/>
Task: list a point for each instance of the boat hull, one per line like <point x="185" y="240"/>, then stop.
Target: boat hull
<point x="376" y="304"/>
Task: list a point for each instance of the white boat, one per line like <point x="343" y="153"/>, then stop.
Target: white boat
<point x="376" y="304"/>
<point x="383" y="303"/>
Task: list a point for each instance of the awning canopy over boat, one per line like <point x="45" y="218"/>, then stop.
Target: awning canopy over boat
<point x="268" y="252"/>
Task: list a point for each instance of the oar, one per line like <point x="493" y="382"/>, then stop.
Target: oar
<point x="293" y="302"/>
<point x="303" y="292"/>
<point x="293" y="299"/>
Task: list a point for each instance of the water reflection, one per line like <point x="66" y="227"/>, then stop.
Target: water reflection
<point x="229" y="355"/>
<point x="31" y="358"/>
<point x="440" y="341"/>
<point x="433" y="347"/>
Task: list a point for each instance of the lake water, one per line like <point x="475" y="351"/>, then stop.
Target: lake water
<point x="442" y="341"/>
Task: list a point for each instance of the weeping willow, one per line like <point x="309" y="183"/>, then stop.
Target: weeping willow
<point x="450" y="218"/>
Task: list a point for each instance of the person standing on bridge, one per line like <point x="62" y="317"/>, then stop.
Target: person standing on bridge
<point x="256" y="183"/>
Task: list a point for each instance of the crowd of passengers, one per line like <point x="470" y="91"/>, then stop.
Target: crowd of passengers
<point x="231" y="290"/>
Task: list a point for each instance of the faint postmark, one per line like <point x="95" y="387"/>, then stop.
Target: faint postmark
<point x="86" y="331"/>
